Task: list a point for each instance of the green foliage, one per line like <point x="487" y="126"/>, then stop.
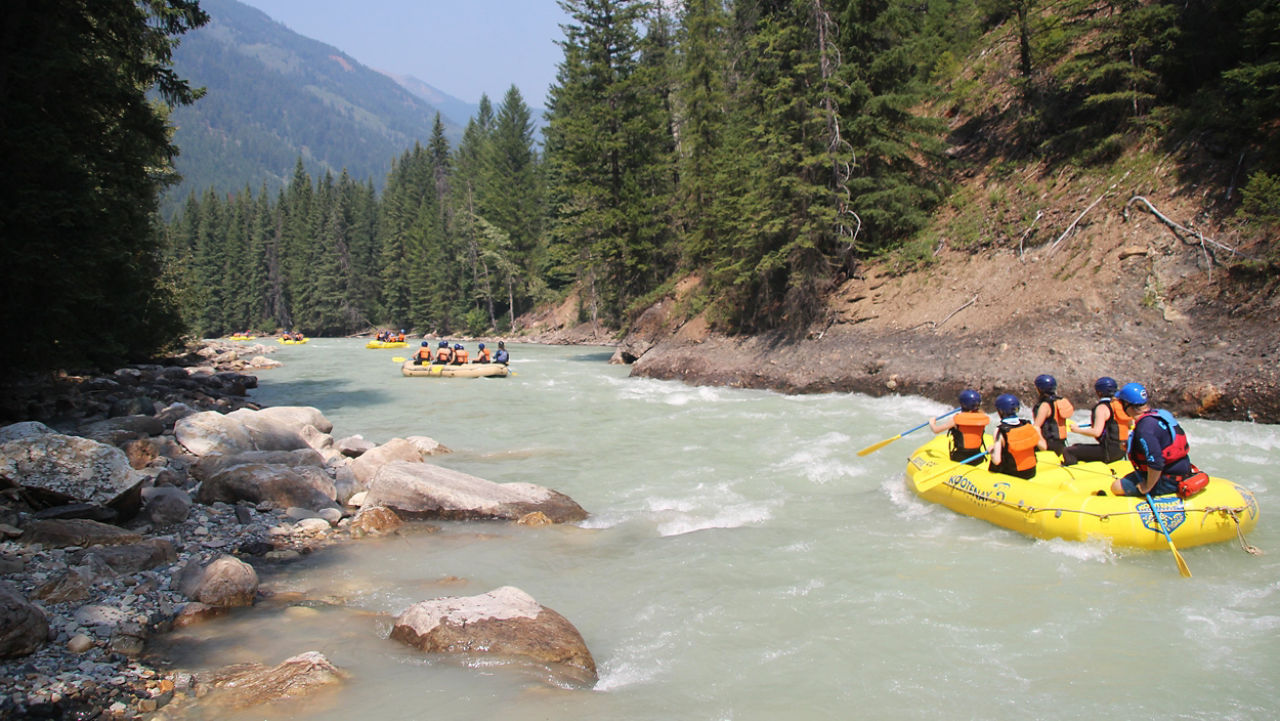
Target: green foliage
<point x="1261" y="199"/>
<point x="85" y="155"/>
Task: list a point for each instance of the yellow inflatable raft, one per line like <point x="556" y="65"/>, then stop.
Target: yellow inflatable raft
<point x="290" y="341"/>
<point x="1062" y="502"/>
<point x="240" y="336"/>
<point x="386" y="344"/>
<point x="467" y="370"/>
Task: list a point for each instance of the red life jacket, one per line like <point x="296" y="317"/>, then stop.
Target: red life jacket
<point x="1175" y="451"/>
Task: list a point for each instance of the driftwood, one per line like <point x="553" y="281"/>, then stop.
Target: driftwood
<point x="1027" y="232"/>
<point x="1072" y="227"/>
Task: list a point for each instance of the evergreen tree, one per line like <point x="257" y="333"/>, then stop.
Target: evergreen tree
<point x="85" y="155"/>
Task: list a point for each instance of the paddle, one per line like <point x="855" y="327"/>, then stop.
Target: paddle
<point x="1182" y="565"/>
<point x="877" y="446"/>
<point x="935" y="479"/>
<point x="397" y="359"/>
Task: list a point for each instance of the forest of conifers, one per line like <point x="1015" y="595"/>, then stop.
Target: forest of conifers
<point x="767" y="146"/>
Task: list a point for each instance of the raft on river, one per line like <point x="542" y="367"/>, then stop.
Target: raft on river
<point x="1062" y="502"/>
<point x="290" y="341"/>
<point x="386" y="344"/>
<point x="466" y="370"/>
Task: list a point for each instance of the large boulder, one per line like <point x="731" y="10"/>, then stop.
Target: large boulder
<point x="213" y="464"/>
<point x="505" y="622"/>
<point x="397" y="449"/>
<point x="292" y="416"/>
<point x="23" y="626"/>
<point x="421" y="490"/>
<point x="68" y="468"/>
<point x="281" y="486"/>
<point x="211" y="432"/>
<point x="272" y="431"/>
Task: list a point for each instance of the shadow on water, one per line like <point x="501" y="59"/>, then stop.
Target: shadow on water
<point x="328" y="393"/>
<point x="601" y="357"/>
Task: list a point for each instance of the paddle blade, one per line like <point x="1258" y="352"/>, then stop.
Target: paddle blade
<point x="1182" y="564"/>
<point x="877" y="446"/>
<point x="397" y="359"/>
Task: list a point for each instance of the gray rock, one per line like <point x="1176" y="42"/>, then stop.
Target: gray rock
<point x="397" y="449"/>
<point x="23" y="626"/>
<point x="63" y="533"/>
<point x="210" y="432"/>
<point x="76" y="468"/>
<point x="421" y="490"/>
<point x="224" y="583"/>
<point x="25" y="429"/>
<point x="506" y="622"/>
<point x="278" y="485"/>
<point x="213" y="464"/>
<point x="354" y="446"/>
<point x="165" y="505"/>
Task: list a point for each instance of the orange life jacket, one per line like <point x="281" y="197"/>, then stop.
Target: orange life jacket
<point x="423" y="354"/>
<point x="459" y="357"/>
<point x="482" y="356"/>
<point x="1020" y="444"/>
<point x="445" y="355"/>
<point x="1123" y="421"/>
<point x="968" y="430"/>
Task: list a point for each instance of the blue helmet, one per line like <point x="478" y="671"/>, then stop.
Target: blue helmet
<point x="1046" y="383"/>
<point x="425" y="344"/>
<point x="970" y="400"/>
<point x="457" y="346"/>
<point x="1007" y="404"/>
<point x="482" y="346"/>
<point x="1133" y="393"/>
<point x="1105" y="386"/>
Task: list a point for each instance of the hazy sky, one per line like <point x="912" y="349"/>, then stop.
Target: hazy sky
<point x="463" y="47"/>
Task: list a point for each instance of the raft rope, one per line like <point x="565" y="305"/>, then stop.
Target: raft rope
<point x="1232" y="512"/>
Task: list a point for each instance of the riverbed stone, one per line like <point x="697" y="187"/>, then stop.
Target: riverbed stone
<point x="295" y="679"/>
<point x="374" y="521"/>
<point x="422" y="490"/>
<point x="68" y="467"/>
<point x="280" y="486"/>
<point x="23" y="626"/>
<point x="65" y="532"/>
<point x="505" y="622"/>
<point x="397" y="449"/>
<point x="210" y="432"/>
<point x="226" y="582"/>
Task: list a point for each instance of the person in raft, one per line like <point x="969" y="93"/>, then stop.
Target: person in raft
<point x="1050" y="413"/>
<point x="1017" y="439"/>
<point x="1109" y="425"/>
<point x="501" y="356"/>
<point x="444" y="356"/>
<point x="423" y="355"/>
<point x="1157" y="449"/>
<point x="966" y="427"/>
<point x="482" y="355"/>
<point x="459" y="354"/>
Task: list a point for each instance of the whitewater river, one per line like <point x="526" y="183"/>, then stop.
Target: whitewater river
<point x="741" y="562"/>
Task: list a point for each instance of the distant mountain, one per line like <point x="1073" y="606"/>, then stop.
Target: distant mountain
<point x="460" y="110"/>
<point x="274" y="96"/>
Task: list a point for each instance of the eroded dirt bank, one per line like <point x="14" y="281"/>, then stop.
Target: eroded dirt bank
<point x="1118" y="296"/>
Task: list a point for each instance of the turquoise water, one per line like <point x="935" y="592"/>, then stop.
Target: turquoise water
<point x="741" y="562"/>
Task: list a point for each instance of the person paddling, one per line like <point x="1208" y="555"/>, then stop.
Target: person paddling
<point x="966" y="428"/>
<point x="444" y="356"/>
<point x="1157" y="448"/>
<point x="1109" y="425"/>
<point x="501" y="356"/>
<point x="423" y="355"/>
<point x="482" y="355"/>
<point x="1050" y="413"/>
<point x="1017" y="439"/>
<point x="459" y="354"/>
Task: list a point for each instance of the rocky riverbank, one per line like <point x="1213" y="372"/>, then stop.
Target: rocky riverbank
<point x="151" y="498"/>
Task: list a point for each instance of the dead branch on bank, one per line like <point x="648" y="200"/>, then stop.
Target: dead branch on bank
<point x="1204" y="242"/>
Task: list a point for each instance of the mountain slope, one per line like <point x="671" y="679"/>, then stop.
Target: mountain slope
<point x="274" y="96"/>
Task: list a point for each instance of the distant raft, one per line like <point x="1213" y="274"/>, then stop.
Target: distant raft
<point x="241" y="336"/>
<point x="1062" y="502"/>
<point x="386" y="344"/>
<point x="290" y="341"/>
<point x="467" y="370"/>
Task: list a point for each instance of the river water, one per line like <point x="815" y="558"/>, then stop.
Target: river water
<point x="741" y="562"/>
